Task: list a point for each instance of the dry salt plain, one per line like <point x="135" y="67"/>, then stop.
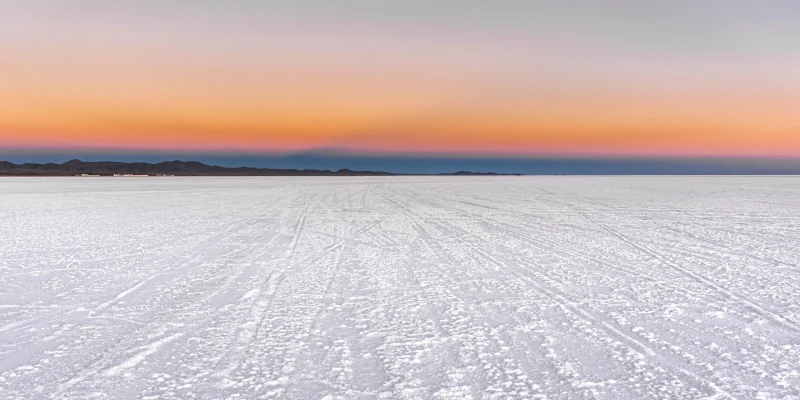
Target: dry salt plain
<point x="400" y="288"/>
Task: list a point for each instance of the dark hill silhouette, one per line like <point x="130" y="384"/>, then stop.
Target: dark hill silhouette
<point x="180" y="168"/>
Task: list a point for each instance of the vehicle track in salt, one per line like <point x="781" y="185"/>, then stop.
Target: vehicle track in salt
<point x="568" y="304"/>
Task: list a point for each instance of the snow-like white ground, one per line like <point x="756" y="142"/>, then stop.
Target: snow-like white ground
<point x="394" y="288"/>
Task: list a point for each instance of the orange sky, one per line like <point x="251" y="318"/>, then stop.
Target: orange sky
<point x="104" y="79"/>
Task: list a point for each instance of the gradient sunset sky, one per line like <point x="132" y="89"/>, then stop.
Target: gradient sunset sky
<point x="624" y="77"/>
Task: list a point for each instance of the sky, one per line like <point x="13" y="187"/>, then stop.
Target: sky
<point x="621" y="78"/>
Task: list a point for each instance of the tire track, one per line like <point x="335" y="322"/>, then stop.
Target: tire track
<point x="567" y="304"/>
<point x="753" y="307"/>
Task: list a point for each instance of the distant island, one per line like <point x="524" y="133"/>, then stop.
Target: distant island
<point x="176" y="168"/>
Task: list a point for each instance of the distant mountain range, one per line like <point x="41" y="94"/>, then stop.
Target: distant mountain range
<point x="177" y="168"/>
